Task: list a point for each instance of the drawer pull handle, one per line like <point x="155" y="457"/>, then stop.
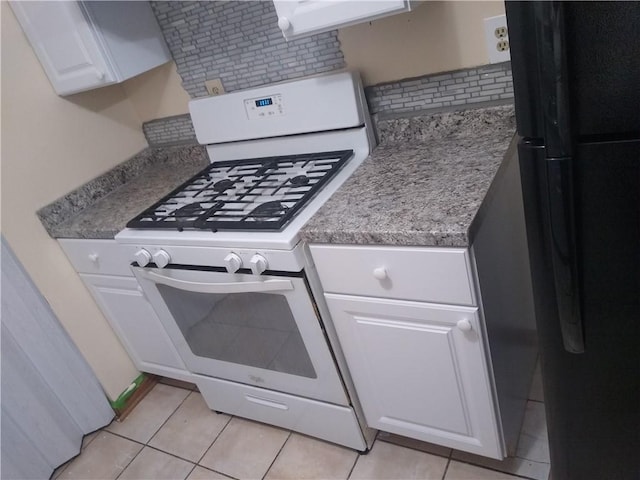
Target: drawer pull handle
<point x="464" y="325"/>
<point x="266" y="403"/>
<point x="380" y="273"/>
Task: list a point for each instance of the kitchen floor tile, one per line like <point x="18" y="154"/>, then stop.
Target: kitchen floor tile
<point x="414" y="444"/>
<point x="201" y="473"/>
<point x="515" y="465"/>
<point x="387" y="461"/>
<point x="535" y="393"/>
<point x="105" y="457"/>
<point x="245" y="449"/>
<point x="87" y="439"/>
<point x="190" y="430"/>
<point x="463" y="471"/>
<point x="156" y="465"/>
<point x="533" y="443"/>
<point x="149" y="415"/>
<point x="308" y="458"/>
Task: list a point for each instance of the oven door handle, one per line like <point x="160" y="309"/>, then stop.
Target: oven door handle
<point x="233" y="287"/>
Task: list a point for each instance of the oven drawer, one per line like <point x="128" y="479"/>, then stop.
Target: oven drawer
<point x="439" y="275"/>
<point x="322" y="420"/>
<point x="101" y="257"/>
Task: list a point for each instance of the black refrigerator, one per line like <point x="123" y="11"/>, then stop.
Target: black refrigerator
<point x="576" y="75"/>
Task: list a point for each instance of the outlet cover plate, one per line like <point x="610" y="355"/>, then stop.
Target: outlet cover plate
<point x="214" y="87"/>
<point x="496" y="37"/>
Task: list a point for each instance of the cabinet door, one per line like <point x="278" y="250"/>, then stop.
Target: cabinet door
<point x="307" y="17"/>
<point x="136" y="324"/>
<point x="420" y="370"/>
<point x="64" y="41"/>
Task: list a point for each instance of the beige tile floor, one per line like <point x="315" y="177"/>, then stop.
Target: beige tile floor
<point x="172" y="434"/>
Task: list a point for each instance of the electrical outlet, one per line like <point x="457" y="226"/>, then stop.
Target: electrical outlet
<point x="214" y="87"/>
<point x="496" y="37"/>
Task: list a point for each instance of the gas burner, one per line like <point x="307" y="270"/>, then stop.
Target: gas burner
<point x="266" y="166"/>
<point x="258" y="193"/>
<point x="299" y="180"/>
<point x="223" y="185"/>
<point x="189" y="210"/>
<point x="269" y="209"/>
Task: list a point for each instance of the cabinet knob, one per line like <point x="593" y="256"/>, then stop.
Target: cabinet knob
<point x="284" y="23"/>
<point x="94" y="257"/>
<point x="99" y="75"/>
<point x="464" y="325"/>
<point x="380" y="273"/>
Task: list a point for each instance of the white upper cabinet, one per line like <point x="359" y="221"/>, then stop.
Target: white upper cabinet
<point x="86" y="45"/>
<point x="298" y="18"/>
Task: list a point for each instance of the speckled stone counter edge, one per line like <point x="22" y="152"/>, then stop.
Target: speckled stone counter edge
<point x="70" y="204"/>
<point x="448" y="125"/>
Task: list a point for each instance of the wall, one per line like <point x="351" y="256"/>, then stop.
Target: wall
<point x="435" y="37"/>
<point x="157" y="93"/>
<point x="51" y="145"/>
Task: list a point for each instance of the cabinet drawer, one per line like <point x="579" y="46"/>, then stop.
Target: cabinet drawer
<point x="440" y="275"/>
<point x="322" y="420"/>
<point x="104" y="257"/>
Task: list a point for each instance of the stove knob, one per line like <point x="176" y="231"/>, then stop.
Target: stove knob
<point x="258" y="264"/>
<point x="142" y="257"/>
<point x="233" y="262"/>
<point x="161" y="258"/>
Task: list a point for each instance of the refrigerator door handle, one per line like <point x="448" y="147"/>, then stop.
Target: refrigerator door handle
<point x="563" y="251"/>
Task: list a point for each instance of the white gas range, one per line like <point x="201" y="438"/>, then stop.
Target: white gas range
<point x="220" y="258"/>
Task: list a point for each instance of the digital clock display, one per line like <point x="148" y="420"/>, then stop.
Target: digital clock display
<point x="264" y="102"/>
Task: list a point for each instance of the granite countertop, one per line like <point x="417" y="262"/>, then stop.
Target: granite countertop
<point x="424" y="185"/>
<point x="102" y="207"/>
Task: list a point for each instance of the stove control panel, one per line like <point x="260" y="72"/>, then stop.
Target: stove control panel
<point x="264" y="107"/>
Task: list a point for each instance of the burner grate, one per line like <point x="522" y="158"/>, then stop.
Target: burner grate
<point x="252" y="194"/>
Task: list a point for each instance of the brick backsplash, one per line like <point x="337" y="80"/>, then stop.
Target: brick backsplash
<point x="240" y="43"/>
<point x="169" y="131"/>
<point x="487" y="83"/>
<point x="442" y="91"/>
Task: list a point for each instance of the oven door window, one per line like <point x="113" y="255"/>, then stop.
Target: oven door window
<point x="249" y="328"/>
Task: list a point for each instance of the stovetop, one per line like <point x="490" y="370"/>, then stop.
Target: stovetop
<point x="252" y="194"/>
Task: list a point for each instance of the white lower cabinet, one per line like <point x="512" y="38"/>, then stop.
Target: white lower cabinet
<point x="419" y="370"/>
<point x="137" y="325"/>
<point x="103" y="266"/>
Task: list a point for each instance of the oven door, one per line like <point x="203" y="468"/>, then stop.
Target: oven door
<point x="259" y="330"/>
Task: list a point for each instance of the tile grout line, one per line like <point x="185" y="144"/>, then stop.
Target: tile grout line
<point x="446" y="467"/>
<point x="231" y="417"/>
<point x="171" y="414"/>
<point x="359" y="455"/>
<point x="277" y="455"/>
<point x="147" y="443"/>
